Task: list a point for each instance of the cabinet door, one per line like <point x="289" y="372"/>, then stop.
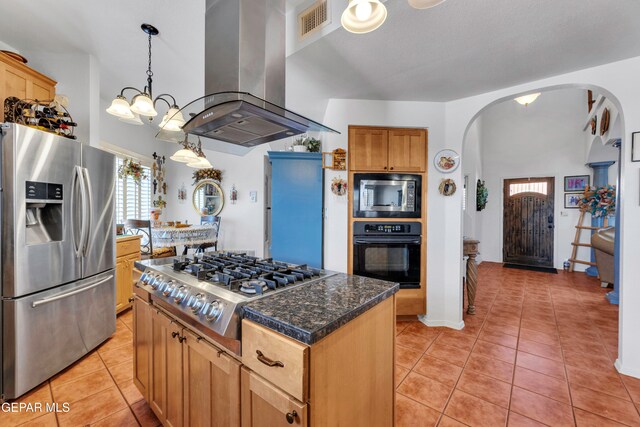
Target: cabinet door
<point x="407" y="150"/>
<point x="211" y="385"/>
<point x="166" y="370"/>
<point x="368" y="149"/>
<point x="142" y="345"/>
<point x="264" y="405"/>
<point x="123" y="282"/>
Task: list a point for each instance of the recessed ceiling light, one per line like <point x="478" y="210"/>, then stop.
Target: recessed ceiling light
<point x="527" y="99"/>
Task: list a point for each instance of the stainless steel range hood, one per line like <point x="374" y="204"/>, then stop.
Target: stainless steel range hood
<point x="245" y="75"/>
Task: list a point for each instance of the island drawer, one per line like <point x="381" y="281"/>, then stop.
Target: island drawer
<point x="280" y="360"/>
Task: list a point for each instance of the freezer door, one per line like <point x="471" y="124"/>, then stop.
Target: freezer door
<point x="46" y="332"/>
<point x="100" y="179"/>
<point x="41" y="206"/>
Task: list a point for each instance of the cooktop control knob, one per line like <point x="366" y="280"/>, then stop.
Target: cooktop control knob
<point x="196" y="302"/>
<point x="180" y="294"/>
<point x="169" y="289"/>
<point x="154" y="281"/>
<point x="213" y="310"/>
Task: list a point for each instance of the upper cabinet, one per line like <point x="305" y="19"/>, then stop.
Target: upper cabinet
<point x="23" y="82"/>
<point x="387" y="149"/>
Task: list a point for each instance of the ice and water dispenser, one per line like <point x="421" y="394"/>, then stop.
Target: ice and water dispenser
<point x="43" y="213"/>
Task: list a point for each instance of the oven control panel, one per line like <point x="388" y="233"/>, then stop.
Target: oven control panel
<point x="387" y="228"/>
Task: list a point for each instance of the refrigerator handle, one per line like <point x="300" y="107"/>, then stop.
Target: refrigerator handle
<point x="89" y="223"/>
<point x="77" y="180"/>
<point x="68" y="294"/>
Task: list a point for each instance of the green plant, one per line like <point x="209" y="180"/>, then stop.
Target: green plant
<point x="299" y="141"/>
<point x="482" y="196"/>
<point x="313" y="145"/>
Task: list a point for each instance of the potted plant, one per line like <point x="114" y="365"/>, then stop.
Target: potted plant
<point x="313" y="145"/>
<point x="299" y="145"/>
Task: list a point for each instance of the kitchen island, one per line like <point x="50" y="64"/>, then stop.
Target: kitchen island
<point x="319" y="353"/>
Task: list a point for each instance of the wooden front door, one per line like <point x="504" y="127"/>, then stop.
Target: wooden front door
<point x="528" y="221"/>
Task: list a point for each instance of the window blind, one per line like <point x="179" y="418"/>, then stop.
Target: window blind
<point x="133" y="200"/>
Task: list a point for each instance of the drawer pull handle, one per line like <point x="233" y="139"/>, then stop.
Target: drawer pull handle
<point x="174" y="334"/>
<point x="291" y="416"/>
<point x="183" y="338"/>
<point x="267" y="361"/>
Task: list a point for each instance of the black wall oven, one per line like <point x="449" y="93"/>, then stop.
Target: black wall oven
<point x="388" y="251"/>
<point x="386" y="195"/>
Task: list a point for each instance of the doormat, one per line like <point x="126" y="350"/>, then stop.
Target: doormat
<point x="532" y="268"/>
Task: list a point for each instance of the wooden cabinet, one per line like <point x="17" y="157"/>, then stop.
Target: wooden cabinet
<point x="21" y="81"/>
<point x="264" y="405"/>
<point x="127" y="253"/>
<point x="368" y="149"/>
<point x="211" y="384"/>
<point x="350" y="374"/>
<point x="191" y="383"/>
<point x="387" y="149"/>
<point x="142" y="345"/>
<point x="165" y="397"/>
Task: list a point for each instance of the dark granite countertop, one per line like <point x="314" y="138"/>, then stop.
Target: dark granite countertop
<point x="310" y="312"/>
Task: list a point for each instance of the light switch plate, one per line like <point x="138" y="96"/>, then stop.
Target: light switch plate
<point x="253" y="196"/>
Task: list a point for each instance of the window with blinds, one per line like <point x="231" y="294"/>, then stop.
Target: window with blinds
<point x="133" y="200"/>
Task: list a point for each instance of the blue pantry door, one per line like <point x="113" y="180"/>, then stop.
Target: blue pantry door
<point x="296" y="207"/>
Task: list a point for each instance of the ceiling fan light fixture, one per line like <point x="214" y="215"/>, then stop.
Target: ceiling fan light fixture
<point x="424" y="4"/>
<point x="527" y="99"/>
<point x="363" y="16"/>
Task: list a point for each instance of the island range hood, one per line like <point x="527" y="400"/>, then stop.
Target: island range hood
<point x="245" y="77"/>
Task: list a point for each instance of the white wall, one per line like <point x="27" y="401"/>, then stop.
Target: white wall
<point x="344" y="112"/>
<point x="78" y="78"/>
<point x="544" y="139"/>
<point x="472" y="167"/>
<point x="618" y="81"/>
<point x="242" y="224"/>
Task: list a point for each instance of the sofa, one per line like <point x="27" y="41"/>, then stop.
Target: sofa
<point x="603" y="242"/>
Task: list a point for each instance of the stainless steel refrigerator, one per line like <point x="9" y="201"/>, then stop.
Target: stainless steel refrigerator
<point x="57" y="254"/>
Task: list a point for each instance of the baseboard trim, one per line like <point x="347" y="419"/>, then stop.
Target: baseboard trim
<point x="625" y="371"/>
<point x="441" y="323"/>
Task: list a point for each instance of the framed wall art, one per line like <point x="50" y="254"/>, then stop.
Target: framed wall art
<point x="572" y="200"/>
<point x="576" y="183"/>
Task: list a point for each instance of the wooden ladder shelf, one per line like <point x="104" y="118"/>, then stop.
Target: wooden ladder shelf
<point x="576" y="242"/>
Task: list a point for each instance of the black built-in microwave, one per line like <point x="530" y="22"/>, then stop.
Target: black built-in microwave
<point x="387" y="195"/>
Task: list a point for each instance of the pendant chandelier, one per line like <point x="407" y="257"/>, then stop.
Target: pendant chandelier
<point x="143" y="103"/>
<point x="364" y="16"/>
<point x="192" y="155"/>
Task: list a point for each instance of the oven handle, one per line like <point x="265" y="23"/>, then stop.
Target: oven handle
<point x="362" y="241"/>
<point x="68" y="294"/>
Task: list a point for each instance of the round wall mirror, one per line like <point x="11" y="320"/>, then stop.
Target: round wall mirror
<point x="208" y="198"/>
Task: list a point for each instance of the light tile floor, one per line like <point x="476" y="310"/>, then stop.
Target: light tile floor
<point x="539" y="351"/>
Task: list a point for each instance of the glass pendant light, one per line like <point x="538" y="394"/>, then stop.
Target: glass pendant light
<point x="173" y="120"/>
<point x="424" y="4"/>
<point x="120" y="108"/>
<point x="200" y="163"/>
<point x="527" y="99"/>
<point x="363" y="16"/>
<point x="143" y="105"/>
<point x="184" y="155"/>
<point x="134" y="121"/>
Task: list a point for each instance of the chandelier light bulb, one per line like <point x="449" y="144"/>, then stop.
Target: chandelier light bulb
<point x="143" y="105"/>
<point x="363" y="10"/>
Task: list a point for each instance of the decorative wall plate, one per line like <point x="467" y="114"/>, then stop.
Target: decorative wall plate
<point x="446" y="161"/>
<point x="447" y="187"/>
<point x="339" y="186"/>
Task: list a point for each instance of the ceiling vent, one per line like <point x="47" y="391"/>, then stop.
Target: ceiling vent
<point x="313" y="18"/>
